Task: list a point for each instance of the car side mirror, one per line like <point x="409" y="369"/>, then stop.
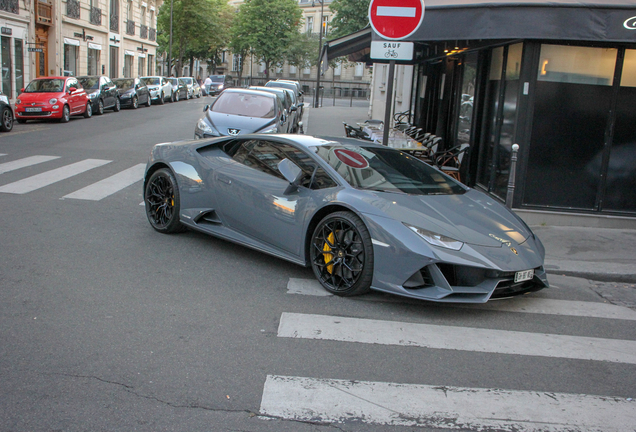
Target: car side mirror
<point x="71" y="90"/>
<point x="300" y="105"/>
<point x="22" y="90"/>
<point x="293" y="108"/>
<point x="292" y="173"/>
<point x="206" y="107"/>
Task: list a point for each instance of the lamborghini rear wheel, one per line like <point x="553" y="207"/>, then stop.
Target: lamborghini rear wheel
<point x="342" y="254"/>
<point x="163" y="202"/>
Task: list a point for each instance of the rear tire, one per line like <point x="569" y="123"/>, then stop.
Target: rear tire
<point x="135" y="102"/>
<point x="148" y="101"/>
<point x="117" y="106"/>
<point x="6" y="119"/>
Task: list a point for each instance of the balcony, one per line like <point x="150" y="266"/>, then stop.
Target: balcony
<point x="130" y="28"/>
<point x="153" y="34"/>
<point x="44" y="13"/>
<point x="114" y="22"/>
<point x="73" y="9"/>
<point x="96" y="16"/>
<point x="10" y="6"/>
<point x="143" y="31"/>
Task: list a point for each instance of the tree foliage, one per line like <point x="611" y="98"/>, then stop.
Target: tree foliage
<point x="199" y="29"/>
<point x="351" y="16"/>
<point x="268" y="28"/>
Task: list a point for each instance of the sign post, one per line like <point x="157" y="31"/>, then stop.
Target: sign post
<point x="393" y="20"/>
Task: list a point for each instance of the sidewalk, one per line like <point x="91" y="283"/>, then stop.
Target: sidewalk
<point x="601" y="254"/>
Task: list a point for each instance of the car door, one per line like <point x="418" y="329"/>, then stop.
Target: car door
<point x="110" y="98"/>
<point x="75" y="101"/>
<point x="252" y="198"/>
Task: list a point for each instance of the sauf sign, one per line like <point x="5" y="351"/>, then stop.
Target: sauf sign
<point x="384" y="50"/>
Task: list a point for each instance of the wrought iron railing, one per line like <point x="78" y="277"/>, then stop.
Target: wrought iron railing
<point x="143" y="32"/>
<point x="114" y="22"/>
<point x="73" y="9"/>
<point x="44" y="13"/>
<point x="96" y="16"/>
<point x="153" y="34"/>
<point x="130" y="27"/>
<point x="10" y="6"/>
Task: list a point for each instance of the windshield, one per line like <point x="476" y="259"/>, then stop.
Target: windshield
<point x="244" y="104"/>
<point x="218" y="78"/>
<point x="45" y="86"/>
<point x="89" y="83"/>
<point x="124" y="83"/>
<point x="173" y="81"/>
<point x="386" y="170"/>
<point x="152" y="81"/>
<point x="187" y="80"/>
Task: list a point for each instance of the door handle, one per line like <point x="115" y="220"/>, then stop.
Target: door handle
<point x="225" y="180"/>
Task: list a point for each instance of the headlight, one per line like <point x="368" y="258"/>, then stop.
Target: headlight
<point x="92" y="95"/>
<point x="53" y="101"/>
<point x="17" y="101"/>
<point x="204" y="127"/>
<point x="437" y="239"/>
<point x="220" y="86"/>
<point x="269" y="129"/>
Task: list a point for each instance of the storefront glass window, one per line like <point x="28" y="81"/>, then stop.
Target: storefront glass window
<point x="128" y="64"/>
<point x="19" y="64"/>
<point x="93" y="61"/>
<point x="5" y="49"/>
<point x="465" y="118"/>
<point x="572" y="103"/>
<point x="620" y="190"/>
<point x="70" y="60"/>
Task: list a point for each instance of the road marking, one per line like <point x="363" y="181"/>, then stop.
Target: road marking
<point x="522" y="304"/>
<point x="396" y="11"/>
<point x="22" y="163"/>
<point x="110" y="185"/>
<point x="3" y="154"/>
<point x="344" y="329"/>
<point x="47" y="178"/>
<point x="337" y="401"/>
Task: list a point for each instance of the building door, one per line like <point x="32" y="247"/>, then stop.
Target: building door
<point x="114" y="62"/>
<point x="41" y="58"/>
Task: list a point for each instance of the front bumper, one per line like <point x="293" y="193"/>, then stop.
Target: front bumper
<point x="46" y="113"/>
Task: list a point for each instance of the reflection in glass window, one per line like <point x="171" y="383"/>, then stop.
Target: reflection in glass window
<point x="577" y="65"/>
<point x="464" y="122"/>
<point x="628" y="79"/>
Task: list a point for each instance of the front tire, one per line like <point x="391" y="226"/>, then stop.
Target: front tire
<point x="176" y="97"/>
<point x="148" y="102"/>
<point x="66" y="114"/>
<point x="6" y="120"/>
<point x="135" y="103"/>
<point x="162" y="99"/>
<point x="162" y="201"/>
<point x="100" y="107"/>
<point x="341" y="254"/>
<point x="88" y="113"/>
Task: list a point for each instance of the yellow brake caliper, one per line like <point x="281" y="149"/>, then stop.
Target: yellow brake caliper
<point x="328" y="256"/>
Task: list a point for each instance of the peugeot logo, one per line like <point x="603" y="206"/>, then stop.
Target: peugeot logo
<point x="630" y="23"/>
<point x="233" y="132"/>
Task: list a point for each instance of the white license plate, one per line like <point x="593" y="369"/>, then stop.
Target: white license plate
<point x="33" y="109"/>
<point x="524" y="275"/>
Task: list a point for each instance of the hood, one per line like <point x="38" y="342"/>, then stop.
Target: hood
<point x="40" y="97"/>
<point x="472" y="217"/>
<point x="125" y="91"/>
<point x="245" y="125"/>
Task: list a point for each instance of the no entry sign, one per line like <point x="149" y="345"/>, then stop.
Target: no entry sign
<point x="396" y="19"/>
<point x="351" y="158"/>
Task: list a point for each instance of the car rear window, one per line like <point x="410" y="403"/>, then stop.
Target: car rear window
<point x="245" y="104"/>
<point x="124" y="83"/>
<point x="90" y="83"/>
<point x="387" y="170"/>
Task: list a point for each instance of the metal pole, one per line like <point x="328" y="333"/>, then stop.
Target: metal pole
<point x="170" y="46"/>
<point x="389" y="99"/>
<point x="317" y="100"/>
<point x="511" y="177"/>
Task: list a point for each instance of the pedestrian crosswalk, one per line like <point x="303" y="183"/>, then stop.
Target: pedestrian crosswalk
<point x="91" y="192"/>
<point x="325" y="399"/>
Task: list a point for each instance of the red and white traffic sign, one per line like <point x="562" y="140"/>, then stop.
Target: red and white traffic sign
<point x="351" y="158"/>
<point x="396" y="19"/>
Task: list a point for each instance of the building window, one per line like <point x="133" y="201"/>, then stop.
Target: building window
<point x="19" y="64"/>
<point x="307" y="71"/>
<point x="141" y="65"/>
<point x="325" y="25"/>
<point x="337" y="71"/>
<point x="237" y="63"/>
<point x="292" y="70"/>
<point x="128" y="65"/>
<point x="310" y="25"/>
<point x="359" y="70"/>
<point x="5" y="48"/>
<point x="71" y="53"/>
<point x="93" y="61"/>
<point x="151" y="61"/>
<point x="577" y="65"/>
<point x="114" y="15"/>
<point x="114" y="62"/>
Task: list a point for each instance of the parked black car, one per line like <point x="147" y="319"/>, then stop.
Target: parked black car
<point x="219" y="83"/>
<point x="132" y="92"/>
<point x="6" y="114"/>
<point x="102" y="92"/>
<point x="179" y="89"/>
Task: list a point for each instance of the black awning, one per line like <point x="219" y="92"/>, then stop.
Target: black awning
<point x="583" y="20"/>
<point x="354" y="45"/>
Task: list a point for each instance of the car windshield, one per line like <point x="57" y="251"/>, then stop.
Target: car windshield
<point x="386" y="170"/>
<point x="173" y="81"/>
<point x="89" y="83"/>
<point x="45" y="85"/>
<point x="187" y="80"/>
<point x="245" y="104"/>
<point x="124" y="83"/>
<point x="217" y="78"/>
<point x="152" y="81"/>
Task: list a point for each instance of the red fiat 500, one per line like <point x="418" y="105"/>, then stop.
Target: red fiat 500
<point x="52" y="98"/>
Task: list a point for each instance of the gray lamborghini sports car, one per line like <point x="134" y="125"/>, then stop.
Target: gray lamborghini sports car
<point x="363" y="216"/>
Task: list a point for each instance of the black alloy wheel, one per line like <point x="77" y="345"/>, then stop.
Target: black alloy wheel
<point x="88" y="112"/>
<point x="342" y="254"/>
<point x="100" y="107"/>
<point x="162" y="200"/>
<point x="135" y="102"/>
<point x="66" y="114"/>
<point x="6" y="119"/>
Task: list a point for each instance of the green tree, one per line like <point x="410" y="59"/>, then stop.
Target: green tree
<point x="351" y="16"/>
<point x="268" y="27"/>
<point x="302" y="50"/>
<point x="199" y="29"/>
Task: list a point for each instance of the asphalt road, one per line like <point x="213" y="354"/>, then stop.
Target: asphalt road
<point x="106" y="325"/>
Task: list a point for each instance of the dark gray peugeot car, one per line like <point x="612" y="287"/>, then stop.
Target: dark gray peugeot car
<point x="241" y="111"/>
<point x="102" y="93"/>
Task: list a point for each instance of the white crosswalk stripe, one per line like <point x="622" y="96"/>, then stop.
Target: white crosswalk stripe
<point x="331" y="400"/>
<point x="110" y="185"/>
<point x="49" y="177"/>
<point x="22" y="163"/>
<point x="344" y="329"/>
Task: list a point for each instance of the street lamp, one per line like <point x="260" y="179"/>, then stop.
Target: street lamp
<point x="170" y="45"/>
<point x="317" y="100"/>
